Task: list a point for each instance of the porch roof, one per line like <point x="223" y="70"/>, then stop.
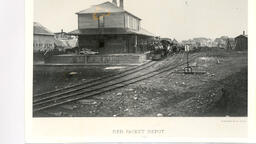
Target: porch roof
<point x="111" y="31"/>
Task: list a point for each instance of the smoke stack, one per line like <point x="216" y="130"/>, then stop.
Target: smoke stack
<point x="114" y="2"/>
<point x="121" y="4"/>
<point x="243" y="32"/>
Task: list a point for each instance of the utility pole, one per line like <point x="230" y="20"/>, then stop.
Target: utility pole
<point x="187" y="69"/>
<point x="187" y="59"/>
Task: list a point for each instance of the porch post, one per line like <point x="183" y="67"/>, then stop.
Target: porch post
<point x="78" y="44"/>
<point x="136" y="43"/>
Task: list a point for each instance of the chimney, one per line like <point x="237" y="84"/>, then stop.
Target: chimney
<point x="121" y="4"/>
<point x="243" y="32"/>
<point x="114" y="2"/>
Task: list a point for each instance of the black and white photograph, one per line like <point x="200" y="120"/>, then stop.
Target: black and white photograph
<point x="140" y="58"/>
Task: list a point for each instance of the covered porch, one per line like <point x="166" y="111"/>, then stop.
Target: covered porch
<point x="114" y="40"/>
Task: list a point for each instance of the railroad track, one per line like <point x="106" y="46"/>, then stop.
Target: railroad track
<point x="101" y="86"/>
<point x="74" y="88"/>
<point x="37" y="96"/>
<point x="92" y="82"/>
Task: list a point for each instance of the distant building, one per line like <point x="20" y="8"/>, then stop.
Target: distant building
<point x="202" y="42"/>
<point x="174" y="41"/>
<point x="199" y="42"/>
<point x="43" y="38"/>
<point x="62" y="35"/>
<point x="65" y="41"/>
<point x="191" y="43"/>
<point x="230" y="44"/>
<point x="109" y="29"/>
<point x="221" y="42"/>
<point x="241" y="42"/>
<point x="66" y="44"/>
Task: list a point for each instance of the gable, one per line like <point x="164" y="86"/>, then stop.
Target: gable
<point x="241" y="37"/>
<point x="106" y="7"/>
<point x="41" y="30"/>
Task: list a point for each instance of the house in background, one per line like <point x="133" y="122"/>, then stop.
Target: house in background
<point x="43" y="39"/>
<point x="221" y="42"/>
<point x="174" y="41"/>
<point x="66" y="42"/>
<point x="204" y="42"/>
<point x="191" y="42"/>
<point x="241" y="42"/>
<point x="62" y="35"/>
<point x="109" y="29"/>
<point x="230" y="44"/>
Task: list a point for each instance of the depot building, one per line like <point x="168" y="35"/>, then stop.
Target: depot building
<point x="109" y="29"/>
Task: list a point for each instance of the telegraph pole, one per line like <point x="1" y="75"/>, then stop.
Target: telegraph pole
<point x="187" y="59"/>
<point x="187" y="69"/>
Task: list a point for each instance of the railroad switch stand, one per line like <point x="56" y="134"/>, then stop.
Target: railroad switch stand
<point x="188" y="69"/>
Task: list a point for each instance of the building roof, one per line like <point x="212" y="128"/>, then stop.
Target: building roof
<point x="71" y="43"/>
<point x="60" y="33"/>
<point x="41" y="30"/>
<point x="106" y="7"/>
<point x="242" y="36"/>
<point x="66" y="44"/>
<point x="175" y="41"/>
<point x="58" y="43"/>
<point x="109" y="31"/>
<point x="144" y="32"/>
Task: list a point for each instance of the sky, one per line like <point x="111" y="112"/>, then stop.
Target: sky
<point x="179" y="19"/>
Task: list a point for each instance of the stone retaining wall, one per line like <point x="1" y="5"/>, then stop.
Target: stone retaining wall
<point x="97" y="59"/>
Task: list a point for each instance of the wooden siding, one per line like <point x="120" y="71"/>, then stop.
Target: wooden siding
<point x="90" y="42"/>
<point x="43" y="42"/>
<point x="241" y="43"/>
<point x="112" y="44"/>
<point x="114" y="20"/>
<point x="86" y="21"/>
<point x="115" y="46"/>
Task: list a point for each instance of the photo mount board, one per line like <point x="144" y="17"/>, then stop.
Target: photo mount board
<point x="146" y="129"/>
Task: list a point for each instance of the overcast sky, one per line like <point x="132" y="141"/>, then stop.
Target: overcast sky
<point x="180" y="19"/>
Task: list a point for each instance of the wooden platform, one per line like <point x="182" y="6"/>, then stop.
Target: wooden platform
<point x="107" y="59"/>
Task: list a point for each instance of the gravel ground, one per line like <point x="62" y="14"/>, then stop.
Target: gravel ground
<point x="52" y="78"/>
<point x="220" y="91"/>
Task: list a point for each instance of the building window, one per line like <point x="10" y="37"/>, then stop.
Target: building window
<point x="128" y="21"/>
<point x="101" y="21"/>
<point x="131" y="22"/>
<point x="134" y="23"/>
